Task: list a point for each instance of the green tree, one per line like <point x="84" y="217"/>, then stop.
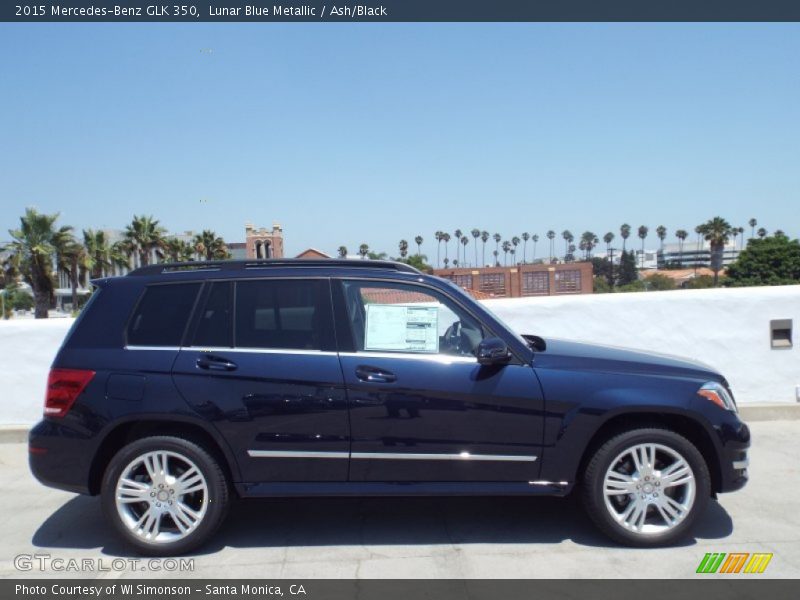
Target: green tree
<point x="342" y="251"/>
<point x="363" y="250"/>
<point x="659" y="282"/>
<point x="551" y="235"/>
<point x="642" y="235"/>
<point x="33" y="247"/>
<point x="176" y="250"/>
<point x="625" y="233"/>
<point x="484" y="238"/>
<point x="457" y="236"/>
<point x="476" y="234"/>
<point x="143" y="237"/>
<point x="535" y="240"/>
<point x="774" y="260"/>
<point x="752" y="222"/>
<point x="403" y="247"/>
<point x="681" y="234"/>
<point x="418" y="261"/>
<point x="627" y="268"/>
<point x="211" y="246"/>
<point x="716" y="232"/>
<point x="418" y="241"/>
<point x="525" y="237"/>
<point x="661" y="232"/>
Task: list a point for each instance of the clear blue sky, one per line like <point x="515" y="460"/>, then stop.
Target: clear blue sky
<point x="350" y="133"/>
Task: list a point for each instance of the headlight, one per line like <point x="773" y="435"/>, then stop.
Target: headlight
<point x="718" y="394"/>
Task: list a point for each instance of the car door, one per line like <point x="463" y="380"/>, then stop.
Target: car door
<point x="261" y="364"/>
<point x="421" y="407"/>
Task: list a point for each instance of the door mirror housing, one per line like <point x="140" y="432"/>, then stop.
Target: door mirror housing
<point x="493" y="351"/>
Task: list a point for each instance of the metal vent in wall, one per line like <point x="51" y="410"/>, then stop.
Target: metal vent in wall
<point x="780" y="333"/>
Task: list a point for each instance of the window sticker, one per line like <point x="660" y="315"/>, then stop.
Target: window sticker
<point x="402" y="328"/>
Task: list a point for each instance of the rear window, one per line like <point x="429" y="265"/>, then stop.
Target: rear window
<point x="279" y="314"/>
<point x="160" y="317"/>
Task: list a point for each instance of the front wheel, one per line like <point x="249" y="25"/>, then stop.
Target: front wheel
<point x="646" y="487"/>
<point x="165" y="495"/>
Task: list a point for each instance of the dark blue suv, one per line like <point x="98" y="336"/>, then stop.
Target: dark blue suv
<point x="181" y="386"/>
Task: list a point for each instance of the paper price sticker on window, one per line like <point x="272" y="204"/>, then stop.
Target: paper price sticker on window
<point x="402" y="328"/>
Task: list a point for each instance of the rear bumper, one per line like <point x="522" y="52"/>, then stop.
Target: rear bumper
<point x="59" y="457"/>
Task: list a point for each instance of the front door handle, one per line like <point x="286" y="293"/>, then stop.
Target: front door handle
<point x="375" y="374"/>
<point x="210" y="362"/>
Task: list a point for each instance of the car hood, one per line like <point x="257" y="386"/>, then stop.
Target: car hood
<point x="563" y="354"/>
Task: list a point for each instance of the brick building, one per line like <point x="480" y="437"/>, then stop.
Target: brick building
<point x="524" y="280"/>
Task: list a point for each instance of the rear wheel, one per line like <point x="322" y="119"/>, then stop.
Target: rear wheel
<point x="165" y="495"/>
<point x="646" y="487"/>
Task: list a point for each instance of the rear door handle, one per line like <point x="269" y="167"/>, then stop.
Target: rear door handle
<point x="375" y="374"/>
<point x="210" y="362"/>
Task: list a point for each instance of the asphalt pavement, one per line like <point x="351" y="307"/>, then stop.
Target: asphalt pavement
<point x="409" y="537"/>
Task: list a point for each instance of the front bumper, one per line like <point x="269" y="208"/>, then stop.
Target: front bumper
<point x="735" y="437"/>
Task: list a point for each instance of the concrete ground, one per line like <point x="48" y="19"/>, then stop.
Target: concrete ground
<point x="422" y="538"/>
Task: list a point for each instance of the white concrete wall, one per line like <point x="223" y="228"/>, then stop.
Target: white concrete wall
<point x="727" y="329"/>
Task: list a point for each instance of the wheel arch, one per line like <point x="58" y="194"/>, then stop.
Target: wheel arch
<point x="690" y="428"/>
<point x="127" y="431"/>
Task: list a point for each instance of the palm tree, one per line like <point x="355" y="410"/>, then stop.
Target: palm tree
<point x="716" y="232"/>
<point x="642" y="235"/>
<point x="446" y="240"/>
<point x="363" y="250"/>
<point x="608" y="238"/>
<point x="484" y="238"/>
<point x="143" y="237"/>
<point x="458" y="233"/>
<point x="762" y="233"/>
<point x="741" y="238"/>
<point x="588" y="242"/>
<point x="515" y="242"/>
<point x="464" y="242"/>
<point x="496" y="262"/>
<point x="568" y="239"/>
<point x="551" y="236"/>
<point x="661" y="232"/>
<point x="446" y="260"/>
<point x="210" y="246"/>
<point x="525" y="237"/>
<point x="506" y="248"/>
<point x="752" y="222"/>
<point x="625" y="233"/>
<point x="496" y="237"/>
<point x="439" y="236"/>
<point x="177" y="250"/>
<point x="418" y="241"/>
<point x="71" y="259"/>
<point x="535" y="238"/>
<point x="681" y="234"/>
<point x="403" y="246"/>
<point x="342" y="251"/>
<point x="32" y="248"/>
<point x="476" y="233"/>
<point x="98" y="253"/>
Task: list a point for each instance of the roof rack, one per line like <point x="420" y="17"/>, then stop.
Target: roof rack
<point x="244" y="265"/>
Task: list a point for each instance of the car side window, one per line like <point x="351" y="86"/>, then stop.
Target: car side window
<point x="281" y="314"/>
<point x="215" y="321"/>
<point x="387" y="317"/>
<point x="160" y="317"/>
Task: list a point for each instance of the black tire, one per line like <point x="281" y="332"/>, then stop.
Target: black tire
<point x="216" y="501"/>
<point x="594" y="476"/>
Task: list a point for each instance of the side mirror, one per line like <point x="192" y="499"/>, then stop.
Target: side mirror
<point x="493" y="351"/>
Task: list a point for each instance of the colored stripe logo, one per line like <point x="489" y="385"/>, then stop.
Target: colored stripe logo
<point x="734" y="562"/>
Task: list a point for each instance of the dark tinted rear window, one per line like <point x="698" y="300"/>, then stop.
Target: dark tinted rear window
<point x="214" y="326"/>
<point x="161" y="316"/>
<point x="280" y="314"/>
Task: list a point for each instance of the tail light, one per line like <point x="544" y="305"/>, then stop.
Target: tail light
<point x="63" y="387"/>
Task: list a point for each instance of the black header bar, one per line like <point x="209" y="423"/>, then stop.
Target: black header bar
<point x="399" y="11"/>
